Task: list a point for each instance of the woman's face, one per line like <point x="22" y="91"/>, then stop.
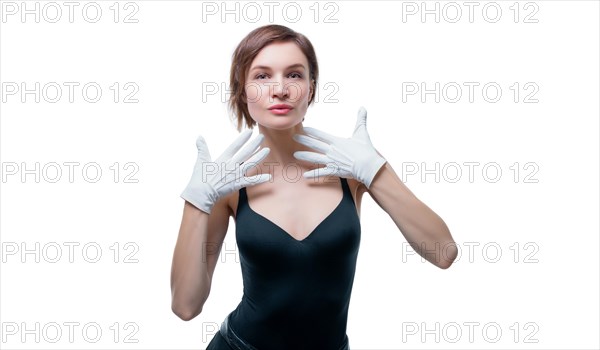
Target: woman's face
<point x="278" y="75"/>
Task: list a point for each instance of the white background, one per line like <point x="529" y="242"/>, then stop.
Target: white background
<point x="541" y="292"/>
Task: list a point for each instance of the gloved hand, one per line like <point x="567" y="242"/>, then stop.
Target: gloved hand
<point x="212" y="180"/>
<point x="345" y="157"/>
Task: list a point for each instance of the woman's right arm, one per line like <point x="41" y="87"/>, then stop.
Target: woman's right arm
<point x="196" y="252"/>
<point x="206" y="218"/>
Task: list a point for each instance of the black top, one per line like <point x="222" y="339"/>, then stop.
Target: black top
<point x="296" y="293"/>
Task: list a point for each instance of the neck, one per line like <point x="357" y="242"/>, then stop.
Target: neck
<point x="281" y="144"/>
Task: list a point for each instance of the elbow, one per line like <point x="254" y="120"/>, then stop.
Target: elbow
<point x="445" y="265"/>
<point x="186" y="314"/>
<point x="187" y="307"/>
<point x="449" y="255"/>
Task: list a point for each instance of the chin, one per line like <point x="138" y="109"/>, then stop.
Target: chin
<point x="279" y="122"/>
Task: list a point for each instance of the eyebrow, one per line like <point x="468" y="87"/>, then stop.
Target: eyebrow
<point x="297" y="65"/>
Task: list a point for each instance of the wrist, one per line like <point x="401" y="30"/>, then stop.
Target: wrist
<point x="374" y="167"/>
<point x="202" y="198"/>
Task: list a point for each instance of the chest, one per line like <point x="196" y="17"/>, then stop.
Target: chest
<point x="334" y="240"/>
<point x="298" y="213"/>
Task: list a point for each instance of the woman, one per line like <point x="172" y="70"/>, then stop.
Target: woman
<point x="298" y="236"/>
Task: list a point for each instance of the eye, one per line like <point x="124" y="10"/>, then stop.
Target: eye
<point x="260" y="75"/>
<point x="297" y="74"/>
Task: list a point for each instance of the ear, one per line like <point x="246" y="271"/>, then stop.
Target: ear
<point x="312" y="89"/>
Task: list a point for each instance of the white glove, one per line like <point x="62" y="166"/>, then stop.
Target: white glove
<point x="212" y="180"/>
<point x="345" y="157"/>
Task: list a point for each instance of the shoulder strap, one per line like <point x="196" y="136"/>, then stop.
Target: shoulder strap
<point x="242" y="199"/>
<point x="345" y="186"/>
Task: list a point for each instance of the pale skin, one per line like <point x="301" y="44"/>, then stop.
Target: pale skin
<point x="279" y="75"/>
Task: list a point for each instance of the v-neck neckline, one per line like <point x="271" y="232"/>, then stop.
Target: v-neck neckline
<point x="337" y="207"/>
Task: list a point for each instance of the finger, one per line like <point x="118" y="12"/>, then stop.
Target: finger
<point x="248" y="149"/>
<point x="236" y="145"/>
<point x="203" y="153"/>
<point x="312" y="157"/>
<point x="255" y="159"/>
<point x="361" y="122"/>
<point x="322" y="135"/>
<point x="320" y="172"/>
<point x="312" y="143"/>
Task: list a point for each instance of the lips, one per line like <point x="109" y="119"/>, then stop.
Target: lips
<point x="280" y="109"/>
<point x="281" y="106"/>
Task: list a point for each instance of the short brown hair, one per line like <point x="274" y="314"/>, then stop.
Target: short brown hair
<point x="245" y="53"/>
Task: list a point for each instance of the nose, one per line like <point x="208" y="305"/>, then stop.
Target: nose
<point x="279" y="89"/>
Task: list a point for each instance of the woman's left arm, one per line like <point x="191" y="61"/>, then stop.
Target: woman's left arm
<point x="356" y="157"/>
<point x="424" y="230"/>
